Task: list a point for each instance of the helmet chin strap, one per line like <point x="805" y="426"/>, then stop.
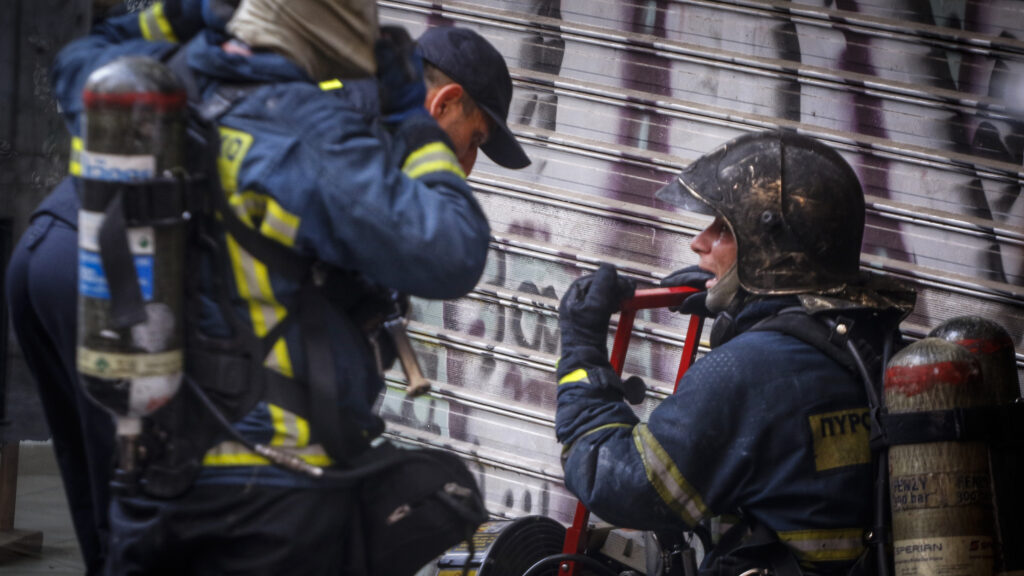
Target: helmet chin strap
<point x="721" y="295"/>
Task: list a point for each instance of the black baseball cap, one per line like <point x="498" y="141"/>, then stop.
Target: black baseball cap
<point x="470" y="60"/>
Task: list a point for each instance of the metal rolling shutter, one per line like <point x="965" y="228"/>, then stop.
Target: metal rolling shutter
<point x="925" y="99"/>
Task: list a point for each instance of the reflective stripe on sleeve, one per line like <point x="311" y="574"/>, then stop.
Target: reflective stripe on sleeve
<point x="825" y="545"/>
<point x="332" y="84"/>
<point x="666" y="479"/>
<point x="434" y="157"/>
<point x="155" y="26"/>
<point x="574" y="376"/>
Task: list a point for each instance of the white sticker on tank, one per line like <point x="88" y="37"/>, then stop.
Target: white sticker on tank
<point x="140" y="240"/>
<point x="117" y="167"/>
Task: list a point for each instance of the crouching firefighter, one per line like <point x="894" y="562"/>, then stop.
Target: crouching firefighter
<point x="763" y="450"/>
<point x="233" y="254"/>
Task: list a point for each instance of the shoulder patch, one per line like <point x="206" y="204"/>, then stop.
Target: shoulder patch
<point x="840" y="438"/>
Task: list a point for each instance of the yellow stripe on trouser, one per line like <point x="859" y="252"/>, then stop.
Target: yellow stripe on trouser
<point x="834" y="545"/>
<point x="433" y="157"/>
<point x="667" y="480"/>
<point x="154" y="24"/>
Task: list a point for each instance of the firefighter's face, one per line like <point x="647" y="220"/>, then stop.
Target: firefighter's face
<point x="716" y="247"/>
<point x="467" y="126"/>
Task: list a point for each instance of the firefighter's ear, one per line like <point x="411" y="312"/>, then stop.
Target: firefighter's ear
<point x="444" y="100"/>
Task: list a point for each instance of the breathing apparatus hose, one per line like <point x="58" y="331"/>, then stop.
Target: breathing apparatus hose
<point x="535" y="570"/>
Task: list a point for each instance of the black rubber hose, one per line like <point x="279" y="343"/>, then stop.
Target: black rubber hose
<point x="587" y="560"/>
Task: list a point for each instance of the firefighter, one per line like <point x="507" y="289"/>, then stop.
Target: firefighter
<point x="312" y="159"/>
<point x="469" y="92"/>
<point x="764" y="448"/>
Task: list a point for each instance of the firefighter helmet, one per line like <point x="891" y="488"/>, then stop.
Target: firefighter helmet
<point x="793" y="204"/>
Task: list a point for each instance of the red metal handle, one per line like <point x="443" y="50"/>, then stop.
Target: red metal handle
<point x="641" y="300"/>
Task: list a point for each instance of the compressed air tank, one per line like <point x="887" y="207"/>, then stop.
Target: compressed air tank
<point x="993" y="346"/>
<point x="940" y="492"/>
<point x="130" y="358"/>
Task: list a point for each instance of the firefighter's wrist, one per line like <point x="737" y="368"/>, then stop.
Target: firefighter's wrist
<point x="173" y="21"/>
<point x="421" y="141"/>
<point x="589" y="368"/>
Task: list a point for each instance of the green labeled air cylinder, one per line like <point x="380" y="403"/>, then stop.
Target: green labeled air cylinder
<point x="993" y="346"/>
<point x="940" y="492"/>
<point x="133" y="131"/>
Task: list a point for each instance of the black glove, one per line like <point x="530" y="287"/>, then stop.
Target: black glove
<point x="583" y="316"/>
<point x="188" y="17"/>
<point x="693" y="277"/>
<point x="399" y="74"/>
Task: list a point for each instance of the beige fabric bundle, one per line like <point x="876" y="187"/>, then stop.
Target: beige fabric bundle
<point x="327" y="38"/>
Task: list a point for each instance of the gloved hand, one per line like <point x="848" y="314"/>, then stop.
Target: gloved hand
<point x="188" y="17"/>
<point x="693" y="277"/>
<point x="399" y="75"/>
<point x="583" y="316"/>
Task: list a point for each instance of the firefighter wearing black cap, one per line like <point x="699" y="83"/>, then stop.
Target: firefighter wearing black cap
<point x="303" y="163"/>
<point x="469" y="92"/>
<point x="768" y="434"/>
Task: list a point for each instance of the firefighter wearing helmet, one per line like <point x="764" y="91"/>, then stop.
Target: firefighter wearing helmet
<point x="764" y="447"/>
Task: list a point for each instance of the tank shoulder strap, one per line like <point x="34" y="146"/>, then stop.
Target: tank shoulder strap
<point x="796" y="322"/>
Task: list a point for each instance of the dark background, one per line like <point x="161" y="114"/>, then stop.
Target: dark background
<point x="33" y="159"/>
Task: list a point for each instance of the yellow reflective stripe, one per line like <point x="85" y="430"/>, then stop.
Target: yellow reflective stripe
<point x="279" y="418"/>
<point x="275" y="222"/>
<point x="75" y="157"/>
<point x="279" y="224"/>
<point x="834" y="545"/>
<point x="574" y="376"/>
<point x="332" y="84"/>
<point x="666" y="479"/>
<point x="433" y="157"/>
<point x="234" y="145"/>
<point x="289" y="429"/>
<point x="155" y="26"/>
<point x="568" y="448"/>
<point x="231" y="453"/>
<point x="253" y="284"/>
<point x="251" y="275"/>
<point x="248" y="206"/>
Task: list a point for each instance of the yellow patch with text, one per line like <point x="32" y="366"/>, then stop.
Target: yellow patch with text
<point x="234" y="145"/>
<point x="840" y="438"/>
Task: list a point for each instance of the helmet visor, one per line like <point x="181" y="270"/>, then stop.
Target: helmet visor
<point x="679" y="194"/>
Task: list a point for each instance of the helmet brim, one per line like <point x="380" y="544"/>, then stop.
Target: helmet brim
<point x="679" y="194"/>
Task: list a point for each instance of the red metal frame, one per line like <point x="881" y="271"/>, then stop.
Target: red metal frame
<point x="641" y="300"/>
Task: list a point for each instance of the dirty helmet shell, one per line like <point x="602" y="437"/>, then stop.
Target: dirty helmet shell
<point x="793" y="204"/>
